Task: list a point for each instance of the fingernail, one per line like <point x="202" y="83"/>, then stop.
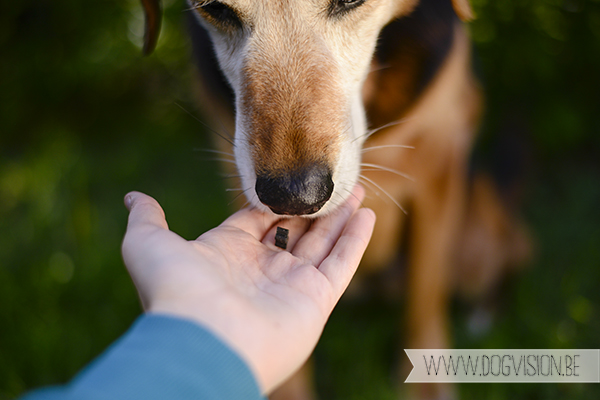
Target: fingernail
<point x="374" y="216"/>
<point x="128" y="201"/>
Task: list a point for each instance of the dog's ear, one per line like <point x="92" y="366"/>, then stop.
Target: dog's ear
<point x="153" y="13"/>
<point x="463" y="9"/>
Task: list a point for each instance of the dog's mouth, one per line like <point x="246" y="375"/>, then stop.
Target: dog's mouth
<point x="301" y="192"/>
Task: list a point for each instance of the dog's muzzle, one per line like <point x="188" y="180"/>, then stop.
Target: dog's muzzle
<point x="301" y="192"/>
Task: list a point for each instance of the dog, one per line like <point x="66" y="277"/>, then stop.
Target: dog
<point x="324" y="94"/>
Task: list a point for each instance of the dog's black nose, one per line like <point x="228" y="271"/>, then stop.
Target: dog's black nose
<point x="301" y="192"/>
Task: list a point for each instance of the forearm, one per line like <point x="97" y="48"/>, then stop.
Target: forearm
<point x="161" y="357"/>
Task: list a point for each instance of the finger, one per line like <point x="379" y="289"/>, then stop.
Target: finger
<point x="297" y="227"/>
<point x="251" y="220"/>
<point x="146" y="217"/>
<point x="339" y="267"/>
<point x="317" y="243"/>
<point x="144" y="211"/>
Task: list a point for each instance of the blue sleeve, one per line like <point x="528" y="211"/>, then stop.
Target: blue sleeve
<point x="161" y="357"/>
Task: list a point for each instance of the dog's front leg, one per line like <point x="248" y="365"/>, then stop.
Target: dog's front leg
<point x="438" y="208"/>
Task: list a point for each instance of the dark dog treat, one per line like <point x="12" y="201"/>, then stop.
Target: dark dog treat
<point x="281" y="237"/>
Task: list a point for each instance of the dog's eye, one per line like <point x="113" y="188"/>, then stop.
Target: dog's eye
<point x="219" y="13"/>
<point x="338" y="8"/>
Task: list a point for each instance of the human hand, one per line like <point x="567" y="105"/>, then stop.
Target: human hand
<point x="270" y="305"/>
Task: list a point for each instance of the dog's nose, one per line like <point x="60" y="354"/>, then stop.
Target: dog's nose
<point x="302" y="192"/>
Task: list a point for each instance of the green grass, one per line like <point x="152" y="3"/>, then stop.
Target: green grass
<point x="84" y="119"/>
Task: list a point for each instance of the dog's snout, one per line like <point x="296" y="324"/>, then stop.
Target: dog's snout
<point x="301" y="192"/>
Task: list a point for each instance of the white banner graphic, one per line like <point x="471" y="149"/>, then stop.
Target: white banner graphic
<point x="460" y="365"/>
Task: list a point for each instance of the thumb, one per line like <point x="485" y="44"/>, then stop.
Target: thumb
<point x="145" y="217"/>
<point x="144" y="211"/>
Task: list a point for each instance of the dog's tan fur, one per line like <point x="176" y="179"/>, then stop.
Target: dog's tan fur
<point x="297" y="76"/>
<point x="305" y="91"/>
<point x="287" y="123"/>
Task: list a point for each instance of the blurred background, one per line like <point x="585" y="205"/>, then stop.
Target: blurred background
<point x="84" y="119"/>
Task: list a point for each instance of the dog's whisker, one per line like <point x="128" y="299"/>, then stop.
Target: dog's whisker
<point x="370" y="187"/>
<point x="388" y="125"/>
<point x="248" y="201"/>
<point x="371" y="132"/>
<point x="347" y="129"/>
<point x="353" y="195"/>
<point x="375" y="167"/>
<point x="379" y="68"/>
<point x="230" y="176"/>
<point x="387" y="146"/>
<point x="384" y="192"/>
<point x="225" y="153"/>
<point x="225" y="160"/>
<point x="222" y="136"/>
<point x="242" y="192"/>
<point x="249" y="138"/>
<point x="220" y="120"/>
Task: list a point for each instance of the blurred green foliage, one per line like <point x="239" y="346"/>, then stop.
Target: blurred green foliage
<point x="540" y="62"/>
<point x="84" y="119"/>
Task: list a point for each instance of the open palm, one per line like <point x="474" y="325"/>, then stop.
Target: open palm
<point x="268" y="304"/>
